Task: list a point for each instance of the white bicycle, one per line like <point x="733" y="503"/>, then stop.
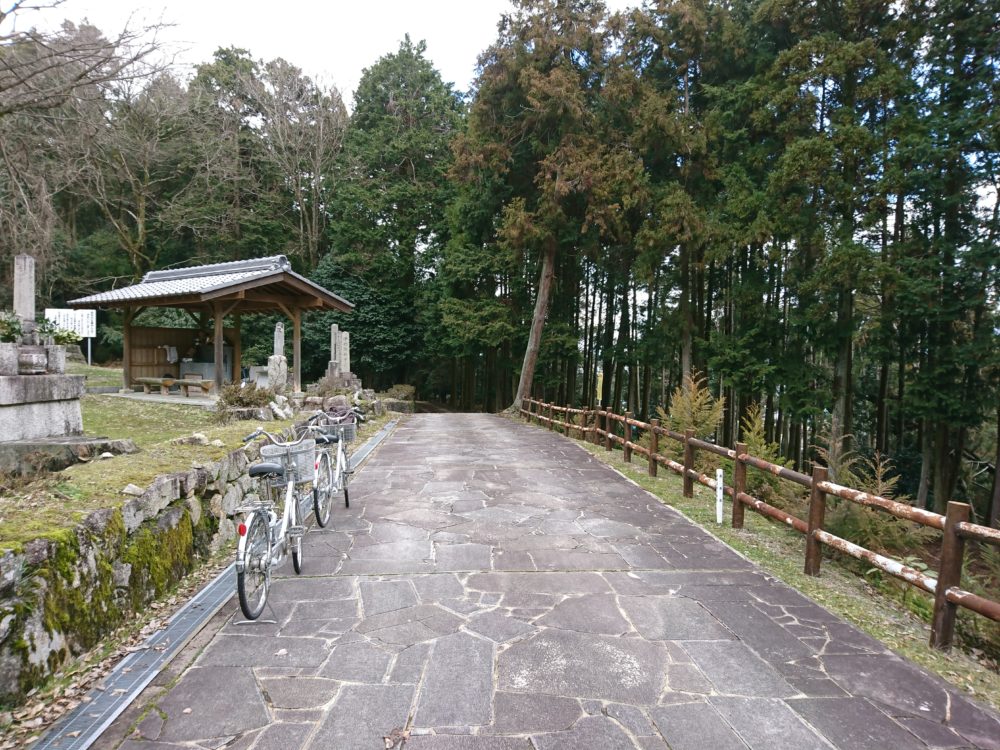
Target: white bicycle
<point x="332" y="432"/>
<point x="264" y="536"/>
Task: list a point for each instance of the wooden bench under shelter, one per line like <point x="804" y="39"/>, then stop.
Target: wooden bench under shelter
<point x="195" y="381"/>
<point x="164" y="384"/>
<point x="214" y="292"/>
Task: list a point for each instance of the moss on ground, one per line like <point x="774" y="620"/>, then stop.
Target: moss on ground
<point x="894" y="615"/>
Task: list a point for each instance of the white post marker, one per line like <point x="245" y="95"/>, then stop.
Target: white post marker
<point x="718" y="496"/>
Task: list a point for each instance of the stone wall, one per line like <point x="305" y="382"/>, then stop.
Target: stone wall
<point x="62" y="594"/>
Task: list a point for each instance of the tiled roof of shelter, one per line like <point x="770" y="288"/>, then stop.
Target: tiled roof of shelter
<point x="196" y="281"/>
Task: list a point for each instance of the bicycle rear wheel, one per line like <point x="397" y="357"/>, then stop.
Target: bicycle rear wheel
<point x="253" y="581"/>
<point x="295" y="535"/>
<point x="323" y="491"/>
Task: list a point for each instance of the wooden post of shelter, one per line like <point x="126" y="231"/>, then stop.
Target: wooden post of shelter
<point x="237" y="351"/>
<point x="297" y="349"/>
<point x="218" y="318"/>
<point x="127" y="316"/>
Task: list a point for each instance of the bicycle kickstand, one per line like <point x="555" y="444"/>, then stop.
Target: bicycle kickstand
<point x="258" y="620"/>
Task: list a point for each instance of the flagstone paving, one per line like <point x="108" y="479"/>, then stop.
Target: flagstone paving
<point x="493" y="587"/>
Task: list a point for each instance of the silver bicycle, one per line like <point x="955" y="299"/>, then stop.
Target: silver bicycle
<point x="265" y="538"/>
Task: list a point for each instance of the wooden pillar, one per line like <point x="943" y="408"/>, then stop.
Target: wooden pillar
<point x="688" y="463"/>
<point x="739" y="485"/>
<point x="237" y="351"/>
<point x="129" y="314"/>
<point x="949" y="575"/>
<point x="297" y="350"/>
<point x="654" y="445"/>
<point x="607" y="428"/>
<point x="218" y="319"/>
<point x="817" y="512"/>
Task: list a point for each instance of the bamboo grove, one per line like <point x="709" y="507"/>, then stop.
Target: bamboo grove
<point x="797" y="200"/>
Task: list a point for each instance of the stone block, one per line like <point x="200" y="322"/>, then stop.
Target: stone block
<point x="55" y="357"/>
<point x="39" y="420"/>
<point x="8" y="358"/>
<point x="29" y="389"/>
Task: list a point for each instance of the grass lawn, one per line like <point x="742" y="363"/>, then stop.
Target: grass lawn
<point x="54" y="503"/>
<point x="96" y="376"/>
<point x="885" y="614"/>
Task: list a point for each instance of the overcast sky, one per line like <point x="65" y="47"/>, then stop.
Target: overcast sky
<point x="331" y="41"/>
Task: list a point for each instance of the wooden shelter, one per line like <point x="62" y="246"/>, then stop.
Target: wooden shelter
<point x="212" y="292"/>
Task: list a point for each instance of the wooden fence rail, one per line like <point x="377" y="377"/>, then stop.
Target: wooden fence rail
<point x="602" y="426"/>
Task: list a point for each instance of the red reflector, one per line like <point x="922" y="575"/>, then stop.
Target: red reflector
<point x="242" y="528"/>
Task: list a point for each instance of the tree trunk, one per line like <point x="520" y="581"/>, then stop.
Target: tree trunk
<point x="926" y="456"/>
<point x="994" y="509"/>
<point x="537" y="325"/>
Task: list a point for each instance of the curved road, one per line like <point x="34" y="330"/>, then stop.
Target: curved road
<point x="493" y="587"/>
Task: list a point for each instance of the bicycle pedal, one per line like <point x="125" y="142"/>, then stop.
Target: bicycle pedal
<point x="348" y="471"/>
<point x="296" y="531"/>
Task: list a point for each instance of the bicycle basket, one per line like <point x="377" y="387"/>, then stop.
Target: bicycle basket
<point x="348" y="431"/>
<point x="299" y="458"/>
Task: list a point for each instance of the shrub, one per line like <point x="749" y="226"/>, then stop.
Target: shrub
<point x="692" y="406"/>
<point x="873" y="529"/>
<point x="762" y="484"/>
<point x="63" y="336"/>
<point x="10" y="327"/>
<point x="238" y="395"/>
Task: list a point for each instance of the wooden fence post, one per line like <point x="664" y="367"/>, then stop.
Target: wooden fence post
<point x="739" y="485"/>
<point x="552" y="416"/>
<point x="688" y="463"/>
<point x="607" y="429"/>
<point x="627" y="445"/>
<point x="568" y="423"/>
<point x="949" y="575"/>
<point x="817" y="512"/>
<point x="654" y="445"/>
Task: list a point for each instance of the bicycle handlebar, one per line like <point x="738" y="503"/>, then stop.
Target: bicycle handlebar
<point x="274" y="439"/>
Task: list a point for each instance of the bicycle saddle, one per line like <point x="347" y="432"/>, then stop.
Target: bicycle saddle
<point x="327" y="439"/>
<point x="267" y="470"/>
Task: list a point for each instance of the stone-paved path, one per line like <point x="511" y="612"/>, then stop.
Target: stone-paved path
<point x="493" y="587"/>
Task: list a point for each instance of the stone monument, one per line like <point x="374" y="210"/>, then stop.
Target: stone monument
<point x="338" y="371"/>
<point x="277" y="365"/>
<point x="37" y="399"/>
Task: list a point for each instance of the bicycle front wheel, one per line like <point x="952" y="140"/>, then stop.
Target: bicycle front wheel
<point x="345" y="474"/>
<point x="253" y="581"/>
<point x="295" y="534"/>
<point x="323" y="491"/>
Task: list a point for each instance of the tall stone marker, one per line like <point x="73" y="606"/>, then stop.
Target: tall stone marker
<point x="277" y="365"/>
<point x="334" y="368"/>
<point x="345" y="352"/>
<point x="24" y="290"/>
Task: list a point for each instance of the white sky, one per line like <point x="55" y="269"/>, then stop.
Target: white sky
<point x="332" y="41"/>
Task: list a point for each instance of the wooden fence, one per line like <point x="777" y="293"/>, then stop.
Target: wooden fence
<point x="601" y="426"/>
